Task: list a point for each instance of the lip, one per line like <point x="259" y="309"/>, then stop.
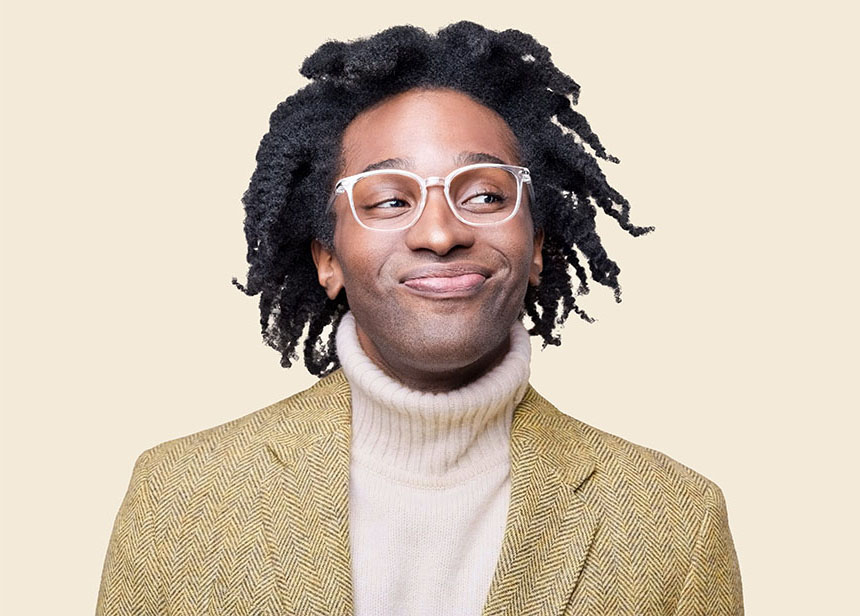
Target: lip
<point x="446" y="280"/>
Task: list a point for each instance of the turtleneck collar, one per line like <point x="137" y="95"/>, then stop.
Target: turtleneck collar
<point x="427" y="439"/>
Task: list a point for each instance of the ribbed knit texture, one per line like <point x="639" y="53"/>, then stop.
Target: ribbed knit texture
<point x="429" y="483"/>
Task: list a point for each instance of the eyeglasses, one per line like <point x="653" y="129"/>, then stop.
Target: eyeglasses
<point x="392" y="199"/>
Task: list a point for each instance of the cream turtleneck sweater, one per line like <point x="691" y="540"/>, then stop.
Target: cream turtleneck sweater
<point x="429" y="483"/>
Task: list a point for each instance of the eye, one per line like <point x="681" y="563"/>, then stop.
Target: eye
<point x="485" y="198"/>
<point x="484" y="202"/>
<point x="381" y="208"/>
<point x="389" y="203"/>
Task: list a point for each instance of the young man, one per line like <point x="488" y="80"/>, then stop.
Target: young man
<point x="418" y="199"/>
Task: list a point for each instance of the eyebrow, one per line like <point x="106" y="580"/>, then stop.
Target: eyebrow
<point x="470" y="158"/>
<point x="390" y="163"/>
<point x="463" y="158"/>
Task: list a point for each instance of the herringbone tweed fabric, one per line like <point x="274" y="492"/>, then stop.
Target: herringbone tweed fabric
<point x="250" y="518"/>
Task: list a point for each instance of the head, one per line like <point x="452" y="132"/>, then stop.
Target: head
<point x="426" y="104"/>
<point x="434" y="301"/>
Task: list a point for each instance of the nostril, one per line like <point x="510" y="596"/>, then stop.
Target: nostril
<point x="439" y="231"/>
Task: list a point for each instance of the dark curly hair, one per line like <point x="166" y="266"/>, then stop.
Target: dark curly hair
<point x="509" y="72"/>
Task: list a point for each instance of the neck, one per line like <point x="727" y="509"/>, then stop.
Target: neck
<point x="426" y="438"/>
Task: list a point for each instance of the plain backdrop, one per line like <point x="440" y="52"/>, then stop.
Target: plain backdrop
<point x="129" y="135"/>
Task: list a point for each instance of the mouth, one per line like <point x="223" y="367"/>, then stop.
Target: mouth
<point x="446" y="280"/>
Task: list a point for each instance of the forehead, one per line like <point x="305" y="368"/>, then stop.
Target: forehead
<point x="426" y="129"/>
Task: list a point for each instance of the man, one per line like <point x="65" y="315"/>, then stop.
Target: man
<point x="417" y="199"/>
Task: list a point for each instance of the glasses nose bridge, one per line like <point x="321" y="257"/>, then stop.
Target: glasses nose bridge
<point x="433" y="180"/>
<point x="430" y="182"/>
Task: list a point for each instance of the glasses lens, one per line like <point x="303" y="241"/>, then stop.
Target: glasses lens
<point x="484" y="195"/>
<point x="386" y="200"/>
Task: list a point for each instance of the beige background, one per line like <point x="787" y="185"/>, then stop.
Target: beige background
<point x="129" y="133"/>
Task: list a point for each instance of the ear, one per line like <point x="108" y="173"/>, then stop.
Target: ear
<point x="537" y="259"/>
<point x="328" y="269"/>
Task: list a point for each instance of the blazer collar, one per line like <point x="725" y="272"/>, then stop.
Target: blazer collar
<point x="548" y="531"/>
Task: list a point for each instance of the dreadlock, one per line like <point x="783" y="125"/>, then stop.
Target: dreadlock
<point x="509" y="72"/>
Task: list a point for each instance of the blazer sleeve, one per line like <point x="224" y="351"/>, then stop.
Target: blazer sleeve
<point x="130" y="577"/>
<point x="713" y="583"/>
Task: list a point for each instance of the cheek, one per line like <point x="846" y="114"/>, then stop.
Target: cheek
<point x="517" y="244"/>
<point x="361" y="255"/>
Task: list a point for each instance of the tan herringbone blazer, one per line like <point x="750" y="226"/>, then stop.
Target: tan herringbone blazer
<point x="251" y="517"/>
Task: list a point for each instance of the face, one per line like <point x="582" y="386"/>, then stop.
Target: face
<point x="433" y="303"/>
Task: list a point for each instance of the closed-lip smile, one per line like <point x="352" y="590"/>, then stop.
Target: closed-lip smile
<point x="457" y="279"/>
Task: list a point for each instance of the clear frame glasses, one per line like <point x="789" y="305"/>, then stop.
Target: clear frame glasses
<point x="393" y="199"/>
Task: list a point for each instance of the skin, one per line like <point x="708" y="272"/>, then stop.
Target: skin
<point x="434" y="303"/>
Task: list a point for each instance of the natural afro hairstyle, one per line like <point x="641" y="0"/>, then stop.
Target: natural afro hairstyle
<point x="509" y="72"/>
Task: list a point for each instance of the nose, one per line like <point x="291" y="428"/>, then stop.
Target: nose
<point x="438" y="230"/>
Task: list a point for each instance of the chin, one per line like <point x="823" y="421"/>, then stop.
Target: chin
<point x="446" y="347"/>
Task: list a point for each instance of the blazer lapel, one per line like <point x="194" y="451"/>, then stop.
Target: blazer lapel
<point x="549" y="527"/>
<point x="306" y="502"/>
<point x="548" y="532"/>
